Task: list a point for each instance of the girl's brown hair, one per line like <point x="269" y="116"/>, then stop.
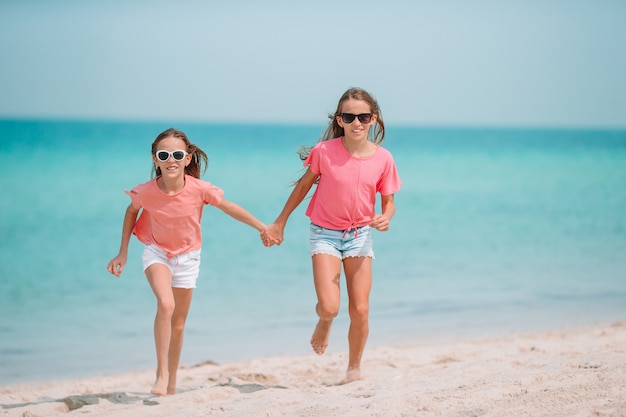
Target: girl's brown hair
<point x="199" y="159"/>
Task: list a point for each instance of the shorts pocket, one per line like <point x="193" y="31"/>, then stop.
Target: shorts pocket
<point x="193" y="255"/>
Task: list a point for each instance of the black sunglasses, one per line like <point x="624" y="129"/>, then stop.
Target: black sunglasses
<point x="348" y="118"/>
<point x="165" y="155"/>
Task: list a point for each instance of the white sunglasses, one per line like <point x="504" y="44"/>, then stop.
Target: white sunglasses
<point x="178" y="155"/>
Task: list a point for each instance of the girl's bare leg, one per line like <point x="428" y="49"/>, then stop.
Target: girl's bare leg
<point x="182" y="297"/>
<point x="160" y="279"/>
<point x="326" y="273"/>
<point x="358" y="272"/>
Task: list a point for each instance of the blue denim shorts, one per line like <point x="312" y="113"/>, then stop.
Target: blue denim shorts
<point x="341" y="243"/>
<point x="185" y="268"/>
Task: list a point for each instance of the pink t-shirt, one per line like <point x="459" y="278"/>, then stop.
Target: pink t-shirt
<point x="172" y="222"/>
<point x="346" y="193"/>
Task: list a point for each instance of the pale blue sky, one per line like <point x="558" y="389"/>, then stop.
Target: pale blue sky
<point x="559" y="63"/>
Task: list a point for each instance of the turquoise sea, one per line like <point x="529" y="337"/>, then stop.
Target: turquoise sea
<point x="496" y="230"/>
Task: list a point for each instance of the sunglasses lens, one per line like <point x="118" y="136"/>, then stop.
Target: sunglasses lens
<point x="347" y="117"/>
<point x="365" y="118"/>
<point x="163" y="156"/>
<point x="178" y="155"/>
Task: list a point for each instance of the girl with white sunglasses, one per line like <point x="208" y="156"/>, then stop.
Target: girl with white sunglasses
<point x="171" y="207"/>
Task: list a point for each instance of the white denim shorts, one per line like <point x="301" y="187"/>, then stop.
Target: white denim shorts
<point x="185" y="267"/>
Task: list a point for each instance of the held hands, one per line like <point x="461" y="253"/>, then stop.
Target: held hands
<point x="380" y="223"/>
<point x="272" y="235"/>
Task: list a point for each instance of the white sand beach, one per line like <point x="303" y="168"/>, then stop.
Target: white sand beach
<point x="569" y="372"/>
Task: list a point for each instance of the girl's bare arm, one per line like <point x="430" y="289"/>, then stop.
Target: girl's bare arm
<point x="381" y="221"/>
<point x="116" y="265"/>
<point x="300" y="191"/>
<point x="240" y="214"/>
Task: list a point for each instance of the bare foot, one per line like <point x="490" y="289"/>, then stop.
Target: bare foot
<point x="171" y="386"/>
<point x="352" y="374"/>
<point x="160" y="386"/>
<point x="321" y="334"/>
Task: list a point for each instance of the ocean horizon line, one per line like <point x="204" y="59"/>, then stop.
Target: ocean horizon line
<point x="311" y="124"/>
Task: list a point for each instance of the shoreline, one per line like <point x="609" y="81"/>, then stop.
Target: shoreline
<point x="567" y="371"/>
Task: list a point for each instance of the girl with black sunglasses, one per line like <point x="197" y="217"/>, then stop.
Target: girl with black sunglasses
<point x="171" y="207"/>
<point x="349" y="167"/>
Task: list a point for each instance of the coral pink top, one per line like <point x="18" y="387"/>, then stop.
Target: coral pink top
<point x="172" y="222"/>
<point x="346" y="193"/>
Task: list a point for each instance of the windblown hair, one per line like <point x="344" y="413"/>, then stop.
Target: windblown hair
<point x="376" y="133"/>
<point x="199" y="160"/>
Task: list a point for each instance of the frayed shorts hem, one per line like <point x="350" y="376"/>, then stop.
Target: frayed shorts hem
<point x="336" y="255"/>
